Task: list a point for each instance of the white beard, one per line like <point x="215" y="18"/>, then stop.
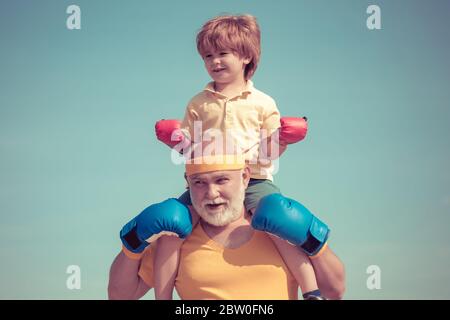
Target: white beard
<point x="230" y="213"/>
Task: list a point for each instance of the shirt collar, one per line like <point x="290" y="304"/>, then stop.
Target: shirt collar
<point x="248" y="88"/>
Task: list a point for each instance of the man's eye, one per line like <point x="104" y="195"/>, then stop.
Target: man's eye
<point x="223" y="180"/>
<point x="198" y="183"/>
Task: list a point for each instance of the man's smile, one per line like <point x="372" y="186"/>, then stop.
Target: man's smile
<point x="215" y="206"/>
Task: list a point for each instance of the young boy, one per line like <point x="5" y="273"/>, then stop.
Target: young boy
<point x="230" y="48"/>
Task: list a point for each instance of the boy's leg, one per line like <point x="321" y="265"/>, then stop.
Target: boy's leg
<point x="165" y="266"/>
<point x="297" y="261"/>
<point x="167" y="257"/>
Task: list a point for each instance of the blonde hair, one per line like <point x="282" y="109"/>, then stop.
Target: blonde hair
<point x="239" y="33"/>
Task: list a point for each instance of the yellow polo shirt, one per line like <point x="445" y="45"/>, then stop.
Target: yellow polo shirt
<point x="241" y="120"/>
<point x="207" y="270"/>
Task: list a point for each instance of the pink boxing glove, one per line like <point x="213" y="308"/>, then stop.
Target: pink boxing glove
<point x="292" y="130"/>
<point x="169" y="132"/>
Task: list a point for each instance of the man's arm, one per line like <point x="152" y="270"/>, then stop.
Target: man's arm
<point x="330" y="274"/>
<point x="124" y="281"/>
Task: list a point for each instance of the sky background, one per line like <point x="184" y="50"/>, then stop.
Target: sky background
<point x="79" y="159"/>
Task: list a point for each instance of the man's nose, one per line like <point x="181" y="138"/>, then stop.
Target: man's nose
<point x="212" y="192"/>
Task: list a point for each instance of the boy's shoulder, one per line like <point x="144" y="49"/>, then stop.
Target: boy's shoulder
<point x="199" y="98"/>
<point x="262" y="99"/>
<point x="256" y="96"/>
<point x="262" y="96"/>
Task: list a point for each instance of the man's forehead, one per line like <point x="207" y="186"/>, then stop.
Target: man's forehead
<point x="214" y="174"/>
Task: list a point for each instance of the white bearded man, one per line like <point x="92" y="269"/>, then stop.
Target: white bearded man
<point x="222" y="256"/>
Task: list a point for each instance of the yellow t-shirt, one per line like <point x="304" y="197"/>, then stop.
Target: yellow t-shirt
<point x="242" y="121"/>
<point x="207" y="270"/>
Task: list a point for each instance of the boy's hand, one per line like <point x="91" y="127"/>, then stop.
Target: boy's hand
<point x="169" y="132"/>
<point x="292" y="130"/>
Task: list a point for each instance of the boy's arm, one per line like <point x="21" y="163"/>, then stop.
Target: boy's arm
<point x="169" y="132"/>
<point x="124" y="281"/>
<point x="178" y="134"/>
<point x="274" y="147"/>
<point x="269" y="144"/>
<point x="292" y="130"/>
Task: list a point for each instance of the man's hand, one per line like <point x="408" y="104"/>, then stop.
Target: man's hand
<point x="167" y="217"/>
<point x="169" y="132"/>
<point x="291" y="221"/>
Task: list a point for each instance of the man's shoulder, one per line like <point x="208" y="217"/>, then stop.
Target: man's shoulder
<point x="197" y="234"/>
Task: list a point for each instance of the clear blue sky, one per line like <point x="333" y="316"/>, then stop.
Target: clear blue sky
<point x="79" y="157"/>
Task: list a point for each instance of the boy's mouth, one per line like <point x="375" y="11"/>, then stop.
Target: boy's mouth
<point x="216" y="70"/>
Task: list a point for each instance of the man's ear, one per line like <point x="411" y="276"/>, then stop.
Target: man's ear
<point x="246" y="175"/>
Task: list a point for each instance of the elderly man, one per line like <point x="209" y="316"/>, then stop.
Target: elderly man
<point x="224" y="257"/>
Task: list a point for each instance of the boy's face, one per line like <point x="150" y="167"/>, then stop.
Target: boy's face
<point x="225" y="66"/>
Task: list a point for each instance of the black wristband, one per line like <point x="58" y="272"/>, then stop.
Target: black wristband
<point x="132" y="239"/>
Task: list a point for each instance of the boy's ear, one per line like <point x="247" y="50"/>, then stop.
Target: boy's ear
<point x="247" y="60"/>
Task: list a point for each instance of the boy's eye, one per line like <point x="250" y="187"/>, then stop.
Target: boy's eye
<point x="208" y="56"/>
<point x="223" y="53"/>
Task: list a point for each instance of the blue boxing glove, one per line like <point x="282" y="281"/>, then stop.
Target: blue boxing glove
<point x="291" y="221"/>
<point x="167" y="217"/>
